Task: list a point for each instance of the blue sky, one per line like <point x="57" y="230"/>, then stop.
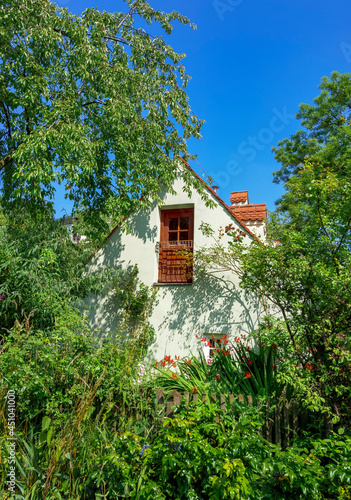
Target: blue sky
<point x="252" y="63"/>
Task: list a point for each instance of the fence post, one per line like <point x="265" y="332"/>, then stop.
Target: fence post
<point x="286" y="426"/>
<point x="160" y="401"/>
<point x="176" y="400"/>
<point x="222" y="402"/>
<point x="278" y="435"/>
<point x="268" y="423"/>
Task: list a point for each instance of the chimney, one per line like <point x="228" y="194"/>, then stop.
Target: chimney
<point x="214" y="188"/>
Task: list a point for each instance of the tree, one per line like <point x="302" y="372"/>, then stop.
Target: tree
<point x="42" y="274"/>
<point x="326" y="136"/>
<point x="93" y="102"/>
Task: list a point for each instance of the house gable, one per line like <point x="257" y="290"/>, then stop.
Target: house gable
<point x="206" y="304"/>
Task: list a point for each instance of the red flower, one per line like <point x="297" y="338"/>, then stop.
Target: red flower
<point x="203" y="339"/>
<point x="217" y="377"/>
<point x="189" y="362"/>
<point x="260" y="344"/>
<point x="250" y="362"/>
<point x="226" y="341"/>
<point x="197" y="336"/>
<point x="193" y="389"/>
<point x="274" y="366"/>
<point x="248" y="375"/>
<point x="273" y="346"/>
<point x="163" y="363"/>
<point x="174" y="375"/>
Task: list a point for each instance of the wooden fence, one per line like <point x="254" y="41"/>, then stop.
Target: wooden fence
<point x="281" y="418"/>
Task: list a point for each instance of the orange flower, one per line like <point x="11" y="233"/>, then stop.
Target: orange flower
<point x="248" y="375"/>
<point x="174" y="375"/>
<point x="189" y="362"/>
<point x="163" y="363"/>
<point x="203" y="339"/>
<point x="197" y="336"/>
<point x="226" y="341"/>
<point x="193" y="389"/>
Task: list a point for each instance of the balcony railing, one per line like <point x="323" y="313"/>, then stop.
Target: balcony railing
<point x="175" y="261"/>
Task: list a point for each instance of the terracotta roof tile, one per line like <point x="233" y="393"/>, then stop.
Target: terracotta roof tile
<point x="239" y="197"/>
<point x="251" y="212"/>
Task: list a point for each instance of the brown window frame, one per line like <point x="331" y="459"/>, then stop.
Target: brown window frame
<point x="174" y="248"/>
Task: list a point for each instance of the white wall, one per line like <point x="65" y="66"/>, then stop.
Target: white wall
<point x="208" y="305"/>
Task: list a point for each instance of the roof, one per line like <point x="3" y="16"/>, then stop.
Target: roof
<point x="239" y="197"/>
<point x="250" y="212"/>
<point x="229" y="209"/>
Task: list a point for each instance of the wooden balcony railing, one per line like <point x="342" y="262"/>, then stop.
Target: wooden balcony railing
<point x="175" y="262"/>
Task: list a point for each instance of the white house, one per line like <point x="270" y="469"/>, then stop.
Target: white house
<point x="187" y="305"/>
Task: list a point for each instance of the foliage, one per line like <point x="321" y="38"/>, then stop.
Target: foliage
<point x="42" y="273"/>
<point x="93" y="102"/>
<point x="191" y="456"/>
<point x="135" y="300"/>
<point x="325" y="139"/>
<point x="235" y="369"/>
<point x="52" y="373"/>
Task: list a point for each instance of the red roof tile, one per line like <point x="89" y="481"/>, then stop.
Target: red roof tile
<point x="239" y="197"/>
<point x="250" y="212"/>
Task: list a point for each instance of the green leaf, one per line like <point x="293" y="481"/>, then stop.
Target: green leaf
<point x="45" y="423"/>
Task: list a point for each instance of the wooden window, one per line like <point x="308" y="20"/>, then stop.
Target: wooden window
<point x="176" y="246"/>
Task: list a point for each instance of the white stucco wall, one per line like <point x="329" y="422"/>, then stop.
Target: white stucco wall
<point x="210" y="305"/>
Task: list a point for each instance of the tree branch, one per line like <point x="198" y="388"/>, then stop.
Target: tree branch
<point x="6" y="160"/>
<point x="343" y="237"/>
<point x="7" y="119"/>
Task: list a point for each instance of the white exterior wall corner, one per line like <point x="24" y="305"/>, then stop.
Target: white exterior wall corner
<point x="210" y="305"/>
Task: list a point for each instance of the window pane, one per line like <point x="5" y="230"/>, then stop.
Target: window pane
<point x="173" y="236"/>
<point x="184" y="223"/>
<point x="173" y="223"/>
<point x="183" y="235"/>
